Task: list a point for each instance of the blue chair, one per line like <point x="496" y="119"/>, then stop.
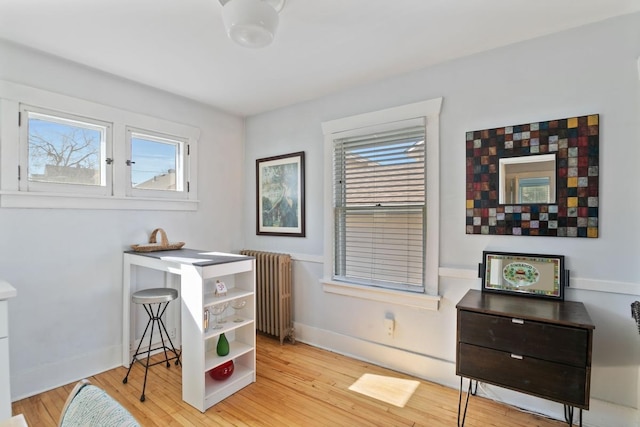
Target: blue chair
<point x="90" y="406"/>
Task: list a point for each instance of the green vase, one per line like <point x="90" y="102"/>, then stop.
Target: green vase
<point x="223" y="346"/>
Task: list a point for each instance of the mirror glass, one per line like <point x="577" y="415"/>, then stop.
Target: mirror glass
<point x="527" y="180"/>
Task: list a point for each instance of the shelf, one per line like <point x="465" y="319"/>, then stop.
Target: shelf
<point x="233" y="293"/>
<point x="237" y="349"/>
<point x="218" y="390"/>
<point x="228" y="326"/>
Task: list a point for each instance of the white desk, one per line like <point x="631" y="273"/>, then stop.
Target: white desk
<point x="197" y="272"/>
<point x="6" y="292"/>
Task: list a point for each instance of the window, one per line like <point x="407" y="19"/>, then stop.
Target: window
<point x="534" y="190"/>
<point x="64" y="153"/>
<point x="58" y="151"/>
<point x="156" y="164"/>
<point x="381" y="205"/>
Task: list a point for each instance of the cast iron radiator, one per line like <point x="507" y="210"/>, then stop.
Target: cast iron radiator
<point x="274" y="304"/>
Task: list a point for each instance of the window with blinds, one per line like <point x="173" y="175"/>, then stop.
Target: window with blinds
<point x="379" y="206"/>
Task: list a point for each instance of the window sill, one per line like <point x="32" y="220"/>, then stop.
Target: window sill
<point x="421" y="301"/>
<point x="15" y="199"/>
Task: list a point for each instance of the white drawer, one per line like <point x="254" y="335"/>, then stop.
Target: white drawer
<point x="4" y="319"/>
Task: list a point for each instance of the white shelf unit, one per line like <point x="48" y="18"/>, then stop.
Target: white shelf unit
<point x="198" y="272"/>
<point x="199" y="354"/>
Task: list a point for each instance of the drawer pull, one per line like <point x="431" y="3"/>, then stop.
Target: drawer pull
<point x="517" y="321"/>
<point x="516" y="356"/>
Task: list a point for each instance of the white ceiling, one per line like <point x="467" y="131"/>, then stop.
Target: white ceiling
<point x="322" y="46"/>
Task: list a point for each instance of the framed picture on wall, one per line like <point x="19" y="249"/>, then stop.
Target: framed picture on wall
<point x="280" y="195"/>
<point x="532" y="275"/>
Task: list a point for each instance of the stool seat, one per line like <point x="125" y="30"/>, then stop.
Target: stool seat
<point x="154" y="295"/>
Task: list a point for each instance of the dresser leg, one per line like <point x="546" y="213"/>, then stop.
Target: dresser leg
<point x="470" y="392"/>
<point x="568" y="415"/>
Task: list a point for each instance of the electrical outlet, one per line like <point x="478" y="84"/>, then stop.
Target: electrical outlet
<point x="172" y="333"/>
<point x="390" y="325"/>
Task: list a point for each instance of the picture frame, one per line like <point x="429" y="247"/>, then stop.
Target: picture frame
<point x="574" y="141"/>
<point x="280" y="198"/>
<point x="531" y="275"/>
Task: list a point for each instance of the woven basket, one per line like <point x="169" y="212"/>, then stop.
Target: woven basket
<point x="153" y="245"/>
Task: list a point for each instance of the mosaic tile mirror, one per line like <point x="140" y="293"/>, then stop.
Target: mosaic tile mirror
<point x="536" y="179"/>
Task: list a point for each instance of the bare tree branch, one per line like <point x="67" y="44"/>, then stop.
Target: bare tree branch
<point x="76" y="148"/>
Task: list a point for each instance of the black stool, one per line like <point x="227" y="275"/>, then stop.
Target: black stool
<point x="148" y="297"/>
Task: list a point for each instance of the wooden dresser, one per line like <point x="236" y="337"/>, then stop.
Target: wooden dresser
<point x="536" y="346"/>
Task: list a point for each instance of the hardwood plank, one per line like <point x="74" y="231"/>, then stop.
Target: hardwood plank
<point x="297" y="385"/>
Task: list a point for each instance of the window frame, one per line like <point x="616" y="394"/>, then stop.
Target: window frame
<point x="53" y="187"/>
<point x="182" y="165"/>
<point x="430" y="111"/>
<point x="13" y="95"/>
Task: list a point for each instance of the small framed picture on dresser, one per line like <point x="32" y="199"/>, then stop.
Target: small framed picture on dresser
<point x="534" y="275"/>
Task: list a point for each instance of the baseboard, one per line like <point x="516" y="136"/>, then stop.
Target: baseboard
<point x="436" y="370"/>
<point x="47" y="377"/>
<point x="601" y="413"/>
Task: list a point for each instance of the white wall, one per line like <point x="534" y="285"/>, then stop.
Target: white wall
<point x="588" y="70"/>
<point x="66" y="265"/>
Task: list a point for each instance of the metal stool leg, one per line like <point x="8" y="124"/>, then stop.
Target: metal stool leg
<point x="161" y="327"/>
<point x="154" y="318"/>
<point x="149" y="309"/>
<point x="133" y="359"/>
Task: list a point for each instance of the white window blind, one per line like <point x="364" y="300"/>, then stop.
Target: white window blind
<point x="379" y="206"/>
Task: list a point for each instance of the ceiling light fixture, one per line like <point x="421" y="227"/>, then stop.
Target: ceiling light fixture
<point x="251" y="23"/>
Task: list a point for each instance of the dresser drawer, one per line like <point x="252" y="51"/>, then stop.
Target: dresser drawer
<point x="540" y="340"/>
<point x="556" y="381"/>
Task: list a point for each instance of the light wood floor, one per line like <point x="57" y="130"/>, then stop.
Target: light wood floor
<point x="297" y="385"/>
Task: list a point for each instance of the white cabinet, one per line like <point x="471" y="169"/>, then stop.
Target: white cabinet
<point x="198" y="273"/>
<point x="5" y="391"/>
<point x="199" y="346"/>
<point x="6" y="292"/>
